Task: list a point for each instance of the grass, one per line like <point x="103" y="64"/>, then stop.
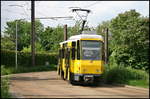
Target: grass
<point x="5" y="86"/>
<point x="24" y="69"/>
<point x="139" y="83"/>
<point x="115" y="74"/>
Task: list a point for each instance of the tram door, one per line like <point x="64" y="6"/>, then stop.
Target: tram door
<point x="67" y="62"/>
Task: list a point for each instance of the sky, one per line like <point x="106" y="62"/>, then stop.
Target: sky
<point x="101" y="11"/>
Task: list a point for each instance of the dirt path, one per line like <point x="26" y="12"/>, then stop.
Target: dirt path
<point x="50" y="85"/>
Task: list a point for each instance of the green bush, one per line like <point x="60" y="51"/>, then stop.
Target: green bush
<point x="135" y="74"/>
<point x="24" y="69"/>
<point x="141" y="83"/>
<point x="5" y="88"/>
<point x="4" y="71"/>
<point x="4" y="85"/>
<point x="122" y="74"/>
<point x="25" y="58"/>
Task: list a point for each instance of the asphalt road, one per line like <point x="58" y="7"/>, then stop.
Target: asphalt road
<point x="50" y="85"/>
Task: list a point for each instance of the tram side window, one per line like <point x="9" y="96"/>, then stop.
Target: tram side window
<point x="59" y="53"/>
<point x="78" y="49"/>
<point x="66" y="53"/>
<point x="73" y="44"/>
<point x="73" y="50"/>
<point x="62" y="53"/>
<point x="73" y="53"/>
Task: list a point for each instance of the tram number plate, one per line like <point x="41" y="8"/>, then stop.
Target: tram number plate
<point x="88" y="76"/>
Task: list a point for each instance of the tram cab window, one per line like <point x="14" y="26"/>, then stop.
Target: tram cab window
<point x="91" y="50"/>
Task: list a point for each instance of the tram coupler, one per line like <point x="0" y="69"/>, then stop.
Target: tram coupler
<point x="88" y="78"/>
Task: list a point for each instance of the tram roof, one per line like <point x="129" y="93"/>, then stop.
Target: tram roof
<point x="82" y="36"/>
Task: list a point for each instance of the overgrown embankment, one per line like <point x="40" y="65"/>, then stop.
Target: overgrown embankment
<point x="4" y="85"/>
<point x="115" y="74"/>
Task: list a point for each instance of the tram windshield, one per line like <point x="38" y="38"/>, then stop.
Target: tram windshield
<point x="91" y="50"/>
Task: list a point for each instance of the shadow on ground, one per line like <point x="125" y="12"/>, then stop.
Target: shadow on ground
<point x="100" y="85"/>
<point x="31" y="78"/>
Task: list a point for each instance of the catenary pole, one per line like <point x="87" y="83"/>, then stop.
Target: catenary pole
<point x="16" y="45"/>
<point x="33" y="32"/>
<point x="106" y="46"/>
<point x="65" y="32"/>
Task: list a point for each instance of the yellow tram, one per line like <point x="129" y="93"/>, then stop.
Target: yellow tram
<point x="81" y="58"/>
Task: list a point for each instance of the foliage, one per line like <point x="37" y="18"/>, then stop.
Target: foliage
<point x="24" y="58"/>
<point x="129" y="40"/>
<point x="75" y="30"/>
<point x="101" y="27"/>
<point x="4" y="85"/>
<point x="7" y="43"/>
<point x="23" y="31"/>
<point x="4" y="70"/>
<point x="27" y="49"/>
<point x="47" y="39"/>
<point x="51" y="38"/>
<point x="38" y="48"/>
<point x="140" y="83"/>
<point x="24" y="69"/>
<point x="122" y="74"/>
<point x="39" y="28"/>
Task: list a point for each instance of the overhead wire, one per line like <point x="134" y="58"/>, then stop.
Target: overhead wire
<point x="19" y="13"/>
<point x="91" y="5"/>
<point x="27" y="3"/>
<point x="87" y="6"/>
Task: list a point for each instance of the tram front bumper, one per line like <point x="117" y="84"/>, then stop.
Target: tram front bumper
<point x="88" y="78"/>
<point x="85" y="77"/>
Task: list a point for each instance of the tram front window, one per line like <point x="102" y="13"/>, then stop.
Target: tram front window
<point x="91" y="50"/>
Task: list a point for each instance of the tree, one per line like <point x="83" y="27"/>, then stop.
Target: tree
<point x="130" y="39"/>
<point x="46" y="37"/>
<point x="75" y="30"/>
<point x="102" y="26"/>
<point x="51" y="38"/>
<point x="38" y="48"/>
<point x="23" y="31"/>
<point x="39" y="29"/>
<point x="58" y="36"/>
<point x="6" y="43"/>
